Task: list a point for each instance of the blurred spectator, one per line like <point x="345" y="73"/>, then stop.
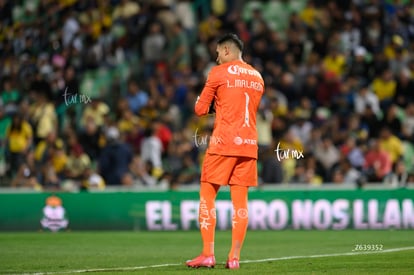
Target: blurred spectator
<point x="151" y="151"/>
<point x="315" y="136"/>
<point x="209" y="27"/>
<point x="377" y="164"/>
<point x="150" y="111"/>
<point x="10" y="96"/>
<point x="189" y="173"/>
<point x="405" y="86"/>
<point x="185" y="12"/>
<point x="311" y="162"/>
<point x="370" y="121"/>
<point x="395" y="47"/>
<point x="77" y="163"/>
<point x="299" y="174"/>
<point x="350" y="175"/>
<point x="392" y="119"/>
<point x="309" y="171"/>
<point x="178" y="48"/>
<point x="391" y="144"/>
<point x="96" y="110"/>
<point x="70" y="85"/>
<point x="407" y="127"/>
<point x="58" y="158"/>
<point x="312" y="178"/>
<point x="334" y="62"/>
<point x="308" y="74"/>
<point x="91" y="138"/>
<point x="142" y="172"/>
<point x="408" y="155"/>
<point x="399" y="175"/>
<point x="384" y="86"/>
<point x="92" y="181"/>
<point x="42" y="111"/>
<point x="295" y="43"/>
<point x="70" y="29"/>
<point x="271" y="171"/>
<point x="19" y="138"/>
<point x="327" y="154"/>
<point x="114" y="160"/>
<point x="400" y="62"/>
<point x="320" y="44"/>
<point x="328" y="89"/>
<point x="131" y="128"/>
<point x="136" y="97"/>
<point x="338" y="176"/>
<point x="163" y="132"/>
<point x="302" y="126"/>
<point x="364" y="98"/>
<point x="343" y="102"/>
<point x="290" y="141"/>
<point x="264" y="128"/>
<point x="43" y="149"/>
<point x="153" y="47"/>
<point x="171" y="114"/>
<point x="287" y="88"/>
<point x="309" y="15"/>
<point x="353" y="152"/>
<point x="51" y="158"/>
<point x="353" y="128"/>
<point x="26" y="175"/>
<point x="360" y="65"/>
<point x="125" y="10"/>
<point x="278" y="102"/>
<point x="350" y="38"/>
<point x="5" y="122"/>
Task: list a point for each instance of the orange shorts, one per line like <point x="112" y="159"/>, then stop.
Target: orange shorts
<point x="224" y="170"/>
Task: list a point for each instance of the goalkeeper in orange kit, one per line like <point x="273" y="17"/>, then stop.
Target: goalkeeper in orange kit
<point x="236" y="89"/>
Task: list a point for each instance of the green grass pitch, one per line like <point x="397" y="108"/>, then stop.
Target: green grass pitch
<point x="264" y="252"/>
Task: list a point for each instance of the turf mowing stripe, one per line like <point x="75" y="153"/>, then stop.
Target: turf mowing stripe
<point x="245" y="261"/>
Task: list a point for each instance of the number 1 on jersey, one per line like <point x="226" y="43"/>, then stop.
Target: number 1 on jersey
<point x="246" y="112"/>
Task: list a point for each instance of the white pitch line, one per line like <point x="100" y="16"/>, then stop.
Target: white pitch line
<point x="99" y="269"/>
<point x="330" y="255"/>
<point x="245" y="261"/>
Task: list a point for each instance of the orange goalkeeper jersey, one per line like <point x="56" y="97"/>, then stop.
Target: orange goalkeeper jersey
<point x="237" y="89"/>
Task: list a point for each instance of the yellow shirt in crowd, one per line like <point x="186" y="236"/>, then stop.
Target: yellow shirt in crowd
<point x="393" y="146"/>
<point x="19" y="140"/>
<point x="384" y="89"/>
<point x="335" y="64"/>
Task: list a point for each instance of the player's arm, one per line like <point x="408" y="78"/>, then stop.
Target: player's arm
<point x="205" y="102"/>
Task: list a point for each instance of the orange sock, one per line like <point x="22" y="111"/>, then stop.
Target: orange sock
<point x="207" y="216"/>
<point x="240" y="219"/>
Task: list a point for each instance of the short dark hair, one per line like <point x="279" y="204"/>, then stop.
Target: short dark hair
<point x="231" y="37"/>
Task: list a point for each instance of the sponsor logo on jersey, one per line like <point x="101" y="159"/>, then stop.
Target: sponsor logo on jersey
<point x="240" y="141"/>
<point x="237" y="70"/>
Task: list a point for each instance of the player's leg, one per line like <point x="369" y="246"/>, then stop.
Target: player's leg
<point x="207" y="222"/>
<point x="216" y="169"/>
<point x="244" y="175"/>
<point x="240" y="220"/>
<point x="207" y="216"/>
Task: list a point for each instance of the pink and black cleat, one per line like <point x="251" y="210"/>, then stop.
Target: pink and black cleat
<point x="202" y="261"/>
<point x="233" y="264"/>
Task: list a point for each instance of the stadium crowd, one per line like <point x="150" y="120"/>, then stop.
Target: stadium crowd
<point x="101" y="93"/>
